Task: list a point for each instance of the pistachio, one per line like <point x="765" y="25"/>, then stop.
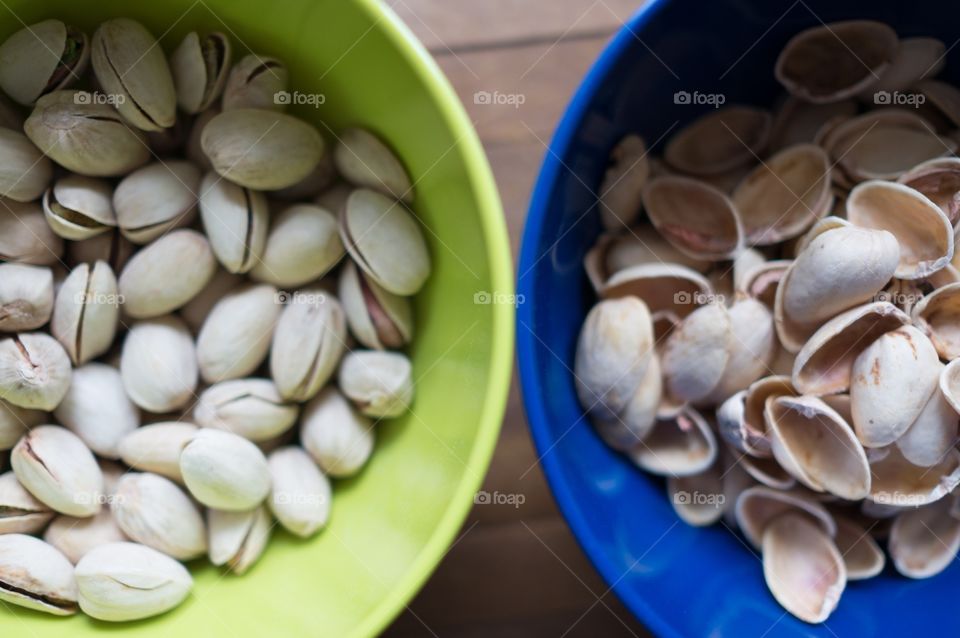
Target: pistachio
<point x="235" y="220"/>
<point x="225" y="471"/>
<point x="86" y="312"/>
<point x="378" y="319"/>
<point x="235" y="338"/>
<point x="127" y="581"/>
<point x="128" y="62"/>
<point x="308" y="343"/>
<point x="78" y="207"/>
<point x="153" y="199"/>
<point x="40" y="58"/>
<point x="300" y="497"/>
<point x="110" y="247"/>
<point x="166" y="274"/>
<point x="15" y="421"/>
<point x="254" y="82"/>
<point x="152" y="510"/>
<point x="303" y="245"/>
<point x="194" y="149"/>
<point x="237" y="539"/>
<point x="336" y="435"/>
<point x="35" y="575"/>
<point x="25" y="236"/>
<point x="159" y="364"/>
<point x="34" y="371"/>
<point x="97" y="409"/>
<point x="252" y="408"/>
<point x="156" y="447"/>
<point x="54" y="465"/>
<point x="200" y="70"/>
<point x="26" y="297"/>
<point x="261" y="149"/>
<point x="621" y="191"/>
<point x="379" y="383"/>
<point x="365" y="161"/>
<point x="84" y="135"/>
<point x="24" y="171"/>
<point x="20" y="512"/>
<point x="385" y="240"/>
<point x="75" y="537"/>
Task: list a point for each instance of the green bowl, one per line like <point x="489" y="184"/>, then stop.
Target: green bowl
<point x="392" y="524"/>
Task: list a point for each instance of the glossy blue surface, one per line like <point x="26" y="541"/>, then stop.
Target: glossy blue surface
<point x="678" y="580"/>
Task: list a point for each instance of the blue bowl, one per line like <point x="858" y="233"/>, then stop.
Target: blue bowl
<point x="679" y="580"/>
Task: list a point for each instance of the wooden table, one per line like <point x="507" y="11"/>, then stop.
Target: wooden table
<point x="515" y="570"/>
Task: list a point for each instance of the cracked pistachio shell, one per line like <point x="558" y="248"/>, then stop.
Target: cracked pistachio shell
<point x="166" y="274"/>
<point x="86" y="312"/>
<point x="200" y="69"/>
<point x="159" y="364"/>
<point x="194" y="150"/>
<point x="15" y="421"/>
<point x="96" y="408"/>
<point x="110" y="247"/>
<point x="34" y="371"/>
<point x="40" y="58"/>
<point x="225" y="471"/>
<point x="254" y="82"/>
<point x="697" y="353"/>
<point x="25" y="172"/>
<point x="153" y="199"/>
<point x="335" y="434"/>
<point x="85" y="136"/>
<point x="252" y="408"/>
<point x="385" y="240"/>
<point x="681" y="445"/>
<point x="25" y="236"/>
<point x="379" y="383"/>
<point x="363" y="159"/>
<point x="36" y="575"/>
<point x="621" y="191"/>
<point x="308" y="344"/>
<point x="261" y="149"/>
<point x="156" y="447"/>
<point x="54" y="465"/>
<point x="78" y="207"/>
<point x="236" y="336"/>
<point x="301" y="495"/>
<point x="303" y="245"/>
<point x="77" y="536"/>
<point x="26" y="297"/>
<point x="129" y="62"/>
<point x="924" y="541"/>
<point x="129" y="581"/>
<point x="758" y="506"/>
<point x="235" y="220"/>
<point x="152" y="510"/>
<point x="237" y="539"/>
<point x="378" y="319"/>
<point x="20" y="512"/>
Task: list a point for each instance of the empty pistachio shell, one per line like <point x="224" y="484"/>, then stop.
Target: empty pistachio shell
<point x="26" y="297"/>
<point x="128" y="62"/>
<point x="639" y="416"/>
<point x="56" y="467"/>
<point x="336" y="435"/>
<point x="78" y="207"/>
<point x="720" y="141"/>
<point x="236" y="335"/>
<point x="924" y="541"/>
<point x="303" y="245"/>
<point x="156" y="447"/>
<point x="861" y="554"/>
<point x="235" y="220"/>
<point x="939" y="180"/>
<point x="86" y="312"/>
<point x="77" y="536"/>
<point x="798" y="121"/>
<point x="225" y="471"/>
<point x="663" y="287"/>
<point x="300" y="497"/>
<point x="35" y="575"/>
<point x="34" y="371"/>
<point x="377" y="318"/>
<point x="261" y="149"/>
<point x="128" y="581"/>
<point x="934" y="432"/>
<point x="159" y="364"/>
<point x="97" y="409"/>
<point x="308" y="343"/>
<point x="152" y="510"/>
<point x="899" y="483"/>
<point x="385" y="240"/>
<point x="759" y="506"/>
<point x="200" y="69"/>
<point x="379" y="383"/>
<point x="84" y="135"/>
<point x="254" y="82"/>
<point x="25" y="236"/>
<point x="752" y="345"/>
<point x="40" y="58"/>
<point x="681" y="445"/>
<point x="364" y="160"/>
<point x="237" y="539"/>
<point x="643" y="245"/>
<point x="166" y="274"/>
<point x="916" y="59"/>
<point x="155" y="198"/>
<point x="623" y="182"/>
<point x="252" y="408"/>
<point x="698" y="513"/>
<point x="15" y="421"/>
<point x="25" y="172"/>
<point x="697" y="353"/>
<point x="20" y="512"/>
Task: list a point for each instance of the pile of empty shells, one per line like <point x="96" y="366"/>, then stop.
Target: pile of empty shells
<point x="778" y="331"/>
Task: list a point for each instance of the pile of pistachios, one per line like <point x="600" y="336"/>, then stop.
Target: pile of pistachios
<point x="172" y="382"/>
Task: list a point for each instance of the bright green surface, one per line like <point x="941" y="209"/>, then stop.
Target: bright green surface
<point x="392" y="524"/>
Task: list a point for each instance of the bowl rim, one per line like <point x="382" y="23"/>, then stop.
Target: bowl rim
<point x="532" y="387"/>
<point x="500" y="260"/>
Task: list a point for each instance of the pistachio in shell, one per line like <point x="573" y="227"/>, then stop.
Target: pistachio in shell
<point x="54" y="465"/>
<point x="335" y="434"/>
<point x="235" y="219"/>
<point x="236" y="335"/>
<point x="33" y="574"/>
<point x="24" y="170"/>
<point x="79" y="207"/>
<point x="15" y="421"/>
<point x="377" y="318"/>
<point x="225" y="471"/>
<point x="26" y="297"/>
<point x="20" y="512"/>
<point x="300" y="493"/>
<point x="379" y="383"/>
<point x="77" y="536"/>
<point x="200" y="68"/>
<point x="41" y="58"/>
<point x="153" y="510"/>
<point x="238" y="539"/>
<point x="156" y="447"/>
<point x="86" y="311"/>
<point x="303" y="244"/>
<point x="34" y="371"/>
<point x="155" y="198"/>
<point x="252" y="408"/>
<point x="159" y="364"/>
<point x="363" y="159"/>
<point x="254" y="82"/>
<point x="97" y="409"/>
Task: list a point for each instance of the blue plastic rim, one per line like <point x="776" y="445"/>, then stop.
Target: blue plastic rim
<point x="678" y="580"/>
